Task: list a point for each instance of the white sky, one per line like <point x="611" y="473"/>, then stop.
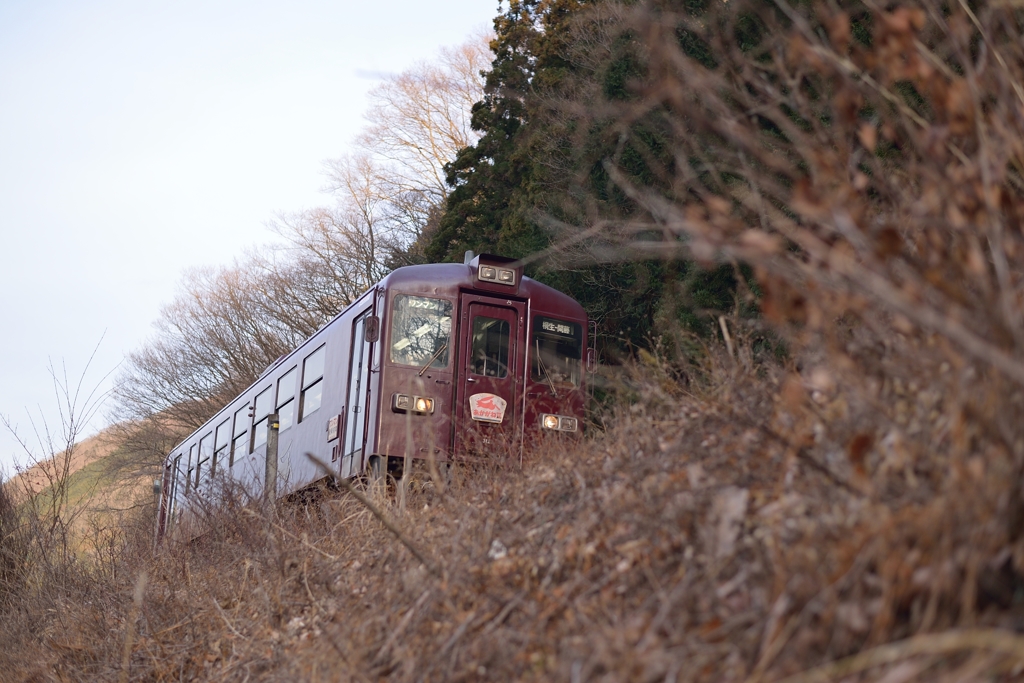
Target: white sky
<point x="140" y="138"/>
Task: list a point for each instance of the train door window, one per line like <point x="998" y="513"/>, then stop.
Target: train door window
<point x="240" y="438"/>
<point x="264" y="404"/>
<point x="555" y="353"/>
<point x="490" y="347"/>
<point x="191" y="468"/>
<point x="286" y="398"/>
<point x="312" y="383"/>
<point x="205" y="454"/>
<point x="359" y="375"/>
<point x="176" y="476"/>
<point x="220" y="445"/>
<point x="421" y="330"/>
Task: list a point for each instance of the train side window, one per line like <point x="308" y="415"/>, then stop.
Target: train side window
<point x="220" y="445"/>
<point x="286" y="398"/>
<point x="191" y="468"/>
<point x="241" y="433"/>
<point x="264" y="404"/>
<point x="205" y="453"/>
<point x="312" y="383"/>
<point x="421" y="329"/>
<point x="490" y="347"/>
<point x="555" y="352"/>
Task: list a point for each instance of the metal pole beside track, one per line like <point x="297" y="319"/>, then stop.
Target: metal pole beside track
<point x="270" y="481"/>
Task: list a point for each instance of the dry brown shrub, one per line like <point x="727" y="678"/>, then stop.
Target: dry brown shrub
<point x="708" y="534"/>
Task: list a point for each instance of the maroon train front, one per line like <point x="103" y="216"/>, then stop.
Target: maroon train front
<point x="450" y="361"/>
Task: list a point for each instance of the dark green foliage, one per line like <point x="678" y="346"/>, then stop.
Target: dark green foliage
<point x="860" y="28"/>
<point x="487" y="178"/>
<point x="547" y="139"/>
<point x="625" y="69"/>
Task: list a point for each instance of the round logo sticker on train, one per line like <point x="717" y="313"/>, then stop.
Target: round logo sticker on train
<point x="487" y="407"/>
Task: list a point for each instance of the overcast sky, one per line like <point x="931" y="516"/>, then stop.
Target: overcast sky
<point x="140" y="138"/>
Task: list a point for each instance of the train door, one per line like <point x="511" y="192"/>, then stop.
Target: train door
<point x="489" y="381"/>
<point x="357" y="398"/>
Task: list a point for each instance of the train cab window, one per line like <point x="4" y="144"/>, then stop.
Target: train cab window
<point x="286" y="398"/>
<point x="555" y="353"/>
<point x="264" y="404"/>
<point x="312" y="383"/>
<point x="490" y="347"/>
<point x="205" y="453"/>
<point x="421" y="331"/>
<point x="240" y="436"/>
<point x="220" y="445"/>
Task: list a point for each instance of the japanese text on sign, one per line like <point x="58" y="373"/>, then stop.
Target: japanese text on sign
<point x="558" y="328"/>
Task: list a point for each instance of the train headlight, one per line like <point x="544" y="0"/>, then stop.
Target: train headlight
<point x="404" y="403"/>
<point x="503" y="276"/>
<point x="559" y="423"/>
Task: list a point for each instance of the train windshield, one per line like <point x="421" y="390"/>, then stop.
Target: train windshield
<point x="555" y="352"/>
<point x="421" y="329"/>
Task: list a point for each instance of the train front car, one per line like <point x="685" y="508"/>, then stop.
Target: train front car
<point x="477" y="357"/>
<point x="443" y="361"/>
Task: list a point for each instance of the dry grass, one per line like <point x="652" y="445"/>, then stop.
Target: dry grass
<point x="711" y="535"/>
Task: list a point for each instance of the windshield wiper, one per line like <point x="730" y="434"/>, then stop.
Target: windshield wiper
<point x="544" y="369"/>
<point x="437" y="353"/>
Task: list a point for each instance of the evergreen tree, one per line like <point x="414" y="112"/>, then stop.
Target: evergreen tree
<point x="550" y="122"/>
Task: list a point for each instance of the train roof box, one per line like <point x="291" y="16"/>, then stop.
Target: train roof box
<point x="497" y="273"/>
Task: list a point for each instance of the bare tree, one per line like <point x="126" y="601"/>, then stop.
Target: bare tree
<point x="348" y="243"/>
<point x="420" y="119"/>
<point x="227" y="325"/>
<point x="210" y="343"/>
<point x="418" y="122"/>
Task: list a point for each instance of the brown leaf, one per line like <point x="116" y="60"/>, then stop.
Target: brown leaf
<point x="868" y="136"/>
<point x="839" y="32"/>
<point x="888" y="242"/>
<point x="793" y="393"/>
<point x="858" y="449"/>
<point x="960" y="108"/>
<point x="761" y="241"/>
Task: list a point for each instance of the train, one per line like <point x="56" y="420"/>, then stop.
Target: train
<point x="442" y="362"/>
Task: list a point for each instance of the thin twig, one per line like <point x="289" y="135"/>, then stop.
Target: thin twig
<point x="949" y="642"/>
<point x="402" y="625"/>
<point x="347" y="485"/>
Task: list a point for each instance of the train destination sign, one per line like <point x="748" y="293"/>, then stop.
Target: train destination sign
<point x="558" y="327"/>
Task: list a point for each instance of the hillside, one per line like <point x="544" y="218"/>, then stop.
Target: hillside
<point x="99" y="488"/>
<point x="39" y="475"/>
